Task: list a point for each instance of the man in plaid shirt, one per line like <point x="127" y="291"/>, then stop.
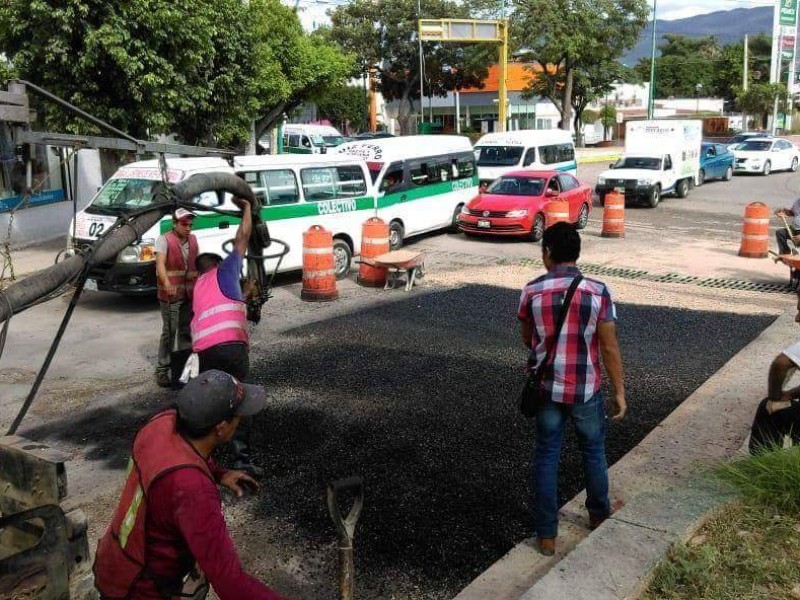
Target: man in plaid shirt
<point x="573" y="383"/>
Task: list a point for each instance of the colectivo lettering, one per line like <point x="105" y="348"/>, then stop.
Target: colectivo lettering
<point x="331" y="207"/>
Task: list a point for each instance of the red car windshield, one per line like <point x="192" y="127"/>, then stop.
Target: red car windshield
<point x="517" y="186"/>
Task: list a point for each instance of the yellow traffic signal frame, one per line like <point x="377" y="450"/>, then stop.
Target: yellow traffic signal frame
<point x="473" y="31"/>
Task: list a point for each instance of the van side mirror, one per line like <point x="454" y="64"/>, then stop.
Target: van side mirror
<point x="611" y="165"/>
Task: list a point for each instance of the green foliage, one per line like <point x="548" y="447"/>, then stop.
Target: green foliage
<point x="589" y="116"/>
<point x="343" y="105"/>
<point x="769" y="479"/>
<point x="383" y="33"/>
<point x="568" y="37"/>
<point x="203" y="69"/>
<point x="608" y="116"/>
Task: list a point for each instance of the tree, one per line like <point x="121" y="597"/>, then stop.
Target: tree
<point x="383" y="33"/>
<point x="729" y="70"/>
<point x="759" y="99"/>
<point x="608" y="119"/>
<point x="345" y="106"/>
<point x="566" y="37"/>
<point x="684" y="64"/>
<point x="203" y="69"/>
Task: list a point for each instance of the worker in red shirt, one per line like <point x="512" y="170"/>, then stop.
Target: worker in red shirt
<point x="169" y="518"/>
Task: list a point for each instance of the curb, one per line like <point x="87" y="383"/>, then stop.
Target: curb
<point x="586" y="160"/>
<point x="708" y="428"/>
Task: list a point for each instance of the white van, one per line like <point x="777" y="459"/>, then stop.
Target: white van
<point x="333" y="191"/>
<point x="532" y="149"/>
<point x="310" y="139"/>
<point x="130" y="188"/>
<point x="422" y="181"/>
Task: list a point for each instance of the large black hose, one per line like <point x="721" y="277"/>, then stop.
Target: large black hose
<point x="18" y="296"/>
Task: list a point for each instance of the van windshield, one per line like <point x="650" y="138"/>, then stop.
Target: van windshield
<point x="755" y="146"/>
<point x="639" y="162"/>
<point x="124" y="195"/>
<point x="498" y="156"/>
<point x="331" y="141"/>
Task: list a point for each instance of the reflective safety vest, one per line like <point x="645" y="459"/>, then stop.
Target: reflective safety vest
<point x="181" y="273"/>
<point x="120" y="560"/>
<point x="217" y="319"/>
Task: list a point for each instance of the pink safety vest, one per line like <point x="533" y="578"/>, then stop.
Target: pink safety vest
<point x="217" y="319"/>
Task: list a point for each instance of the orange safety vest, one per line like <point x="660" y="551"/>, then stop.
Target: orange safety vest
<point x="181" y="273"/>
<point x="121" y="560"/>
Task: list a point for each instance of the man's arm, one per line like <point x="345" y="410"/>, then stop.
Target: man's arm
<point x="245" y="227"/>
<point x="200" y="520"/>
<point x="778" y="371"/>
<point x="612" y="359"/>
<point x="526" y="331"/>
<point x="161" y="273"/>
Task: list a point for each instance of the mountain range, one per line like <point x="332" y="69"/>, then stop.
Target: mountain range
<point x="727" y="26"/>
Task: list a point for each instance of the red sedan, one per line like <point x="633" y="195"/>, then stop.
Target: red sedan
<point x="514" y="204"/>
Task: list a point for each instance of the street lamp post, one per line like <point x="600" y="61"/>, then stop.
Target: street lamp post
<point x="652" y="66"/>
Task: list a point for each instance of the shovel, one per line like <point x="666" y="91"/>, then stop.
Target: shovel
<point x="346" y="528"/>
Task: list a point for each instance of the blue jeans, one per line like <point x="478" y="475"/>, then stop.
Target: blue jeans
<point x="590" y="423"/>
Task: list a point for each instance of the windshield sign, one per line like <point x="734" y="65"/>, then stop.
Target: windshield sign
<point x="498" y="156"/>
<point x="123" y="195"/>
<point x="637" y="162"/>
<point x="517" y="186"/>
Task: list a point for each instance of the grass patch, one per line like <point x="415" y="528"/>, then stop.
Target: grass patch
<point x="751" y="550"/>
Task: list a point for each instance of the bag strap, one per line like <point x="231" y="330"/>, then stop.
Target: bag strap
<point x="562" y="317"/>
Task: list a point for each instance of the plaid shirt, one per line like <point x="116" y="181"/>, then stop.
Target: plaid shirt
<point x="576" y="374"/>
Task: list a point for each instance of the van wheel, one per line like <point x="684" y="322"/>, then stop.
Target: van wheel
<point x="728" y="174"/>
<point x="342" y="258"/>
<point x="396" y="234"/>
<point x="682" y="189"/>
<point x="454" y="223"/>
<point x="655" y="197"/>
<point x="583" y="217"/>
<point x="537" y="231"/>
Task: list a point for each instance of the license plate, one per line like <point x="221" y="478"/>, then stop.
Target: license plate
<point x="484" y="224"/>
<point x="90" y="285"/>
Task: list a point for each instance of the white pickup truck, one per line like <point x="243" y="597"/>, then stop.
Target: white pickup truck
<point x="661" y="157"/>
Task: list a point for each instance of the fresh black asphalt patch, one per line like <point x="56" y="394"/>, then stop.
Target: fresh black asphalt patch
<point x="418" y="397"/>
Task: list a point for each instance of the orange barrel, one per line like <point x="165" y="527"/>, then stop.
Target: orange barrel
<point x="374" y="242"/>
<point x="556" y="211"/>
<point x="319" y="274"/>
<point x="614" y="216"/>
<point x="755" y="231"/>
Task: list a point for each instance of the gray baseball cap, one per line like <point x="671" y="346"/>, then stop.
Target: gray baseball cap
<point x="215" y="396"/>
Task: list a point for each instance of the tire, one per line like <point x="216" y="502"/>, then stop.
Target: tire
<point x="454" y="223"/>
<point x="682" y="189"/>
<point x="342" y="258"/>
<point x="701" y="177"/>
<point x="396" y="234"/>
<point x="602" y="198"/>
<point x="728" y="174"/>
<point x="767" y="168"/>
<point x="583" y="217"/>
<point x="537" y="231"/>
<point x="793" y="168"/>
<point x="655" y="197"/>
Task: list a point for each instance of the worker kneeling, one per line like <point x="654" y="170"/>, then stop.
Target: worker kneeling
<point x="169" y="517"/>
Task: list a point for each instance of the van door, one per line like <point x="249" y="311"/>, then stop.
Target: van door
<point x="529" y="159"/>
<point x="668" y="175"/>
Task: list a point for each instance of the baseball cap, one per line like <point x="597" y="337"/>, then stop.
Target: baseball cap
<point x="182" y="214"/>
<point x="215" y="396"/>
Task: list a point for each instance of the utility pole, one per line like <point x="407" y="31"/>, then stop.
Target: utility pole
<point x="745" y="79"/>
<point x="421" y="68"/>
<point x="650" y="100"/>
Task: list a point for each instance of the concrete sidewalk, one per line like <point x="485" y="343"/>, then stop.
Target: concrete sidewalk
<point x="658" y="481"/>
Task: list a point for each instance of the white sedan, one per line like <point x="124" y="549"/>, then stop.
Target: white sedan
<point x="759" y="155"/>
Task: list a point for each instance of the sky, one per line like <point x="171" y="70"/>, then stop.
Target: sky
<point x="679" y="9"/>
<point x="312" y="12"/>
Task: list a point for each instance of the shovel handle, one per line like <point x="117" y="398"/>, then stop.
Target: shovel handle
<point x="345" y="526"/>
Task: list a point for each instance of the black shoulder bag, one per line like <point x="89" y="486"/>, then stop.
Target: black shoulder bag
<point x="532" y="397"/>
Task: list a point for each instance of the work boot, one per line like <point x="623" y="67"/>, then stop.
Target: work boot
<point x="163" y="379"/>
<point x="595" y="521"/>
<point x="547" y="546"/>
